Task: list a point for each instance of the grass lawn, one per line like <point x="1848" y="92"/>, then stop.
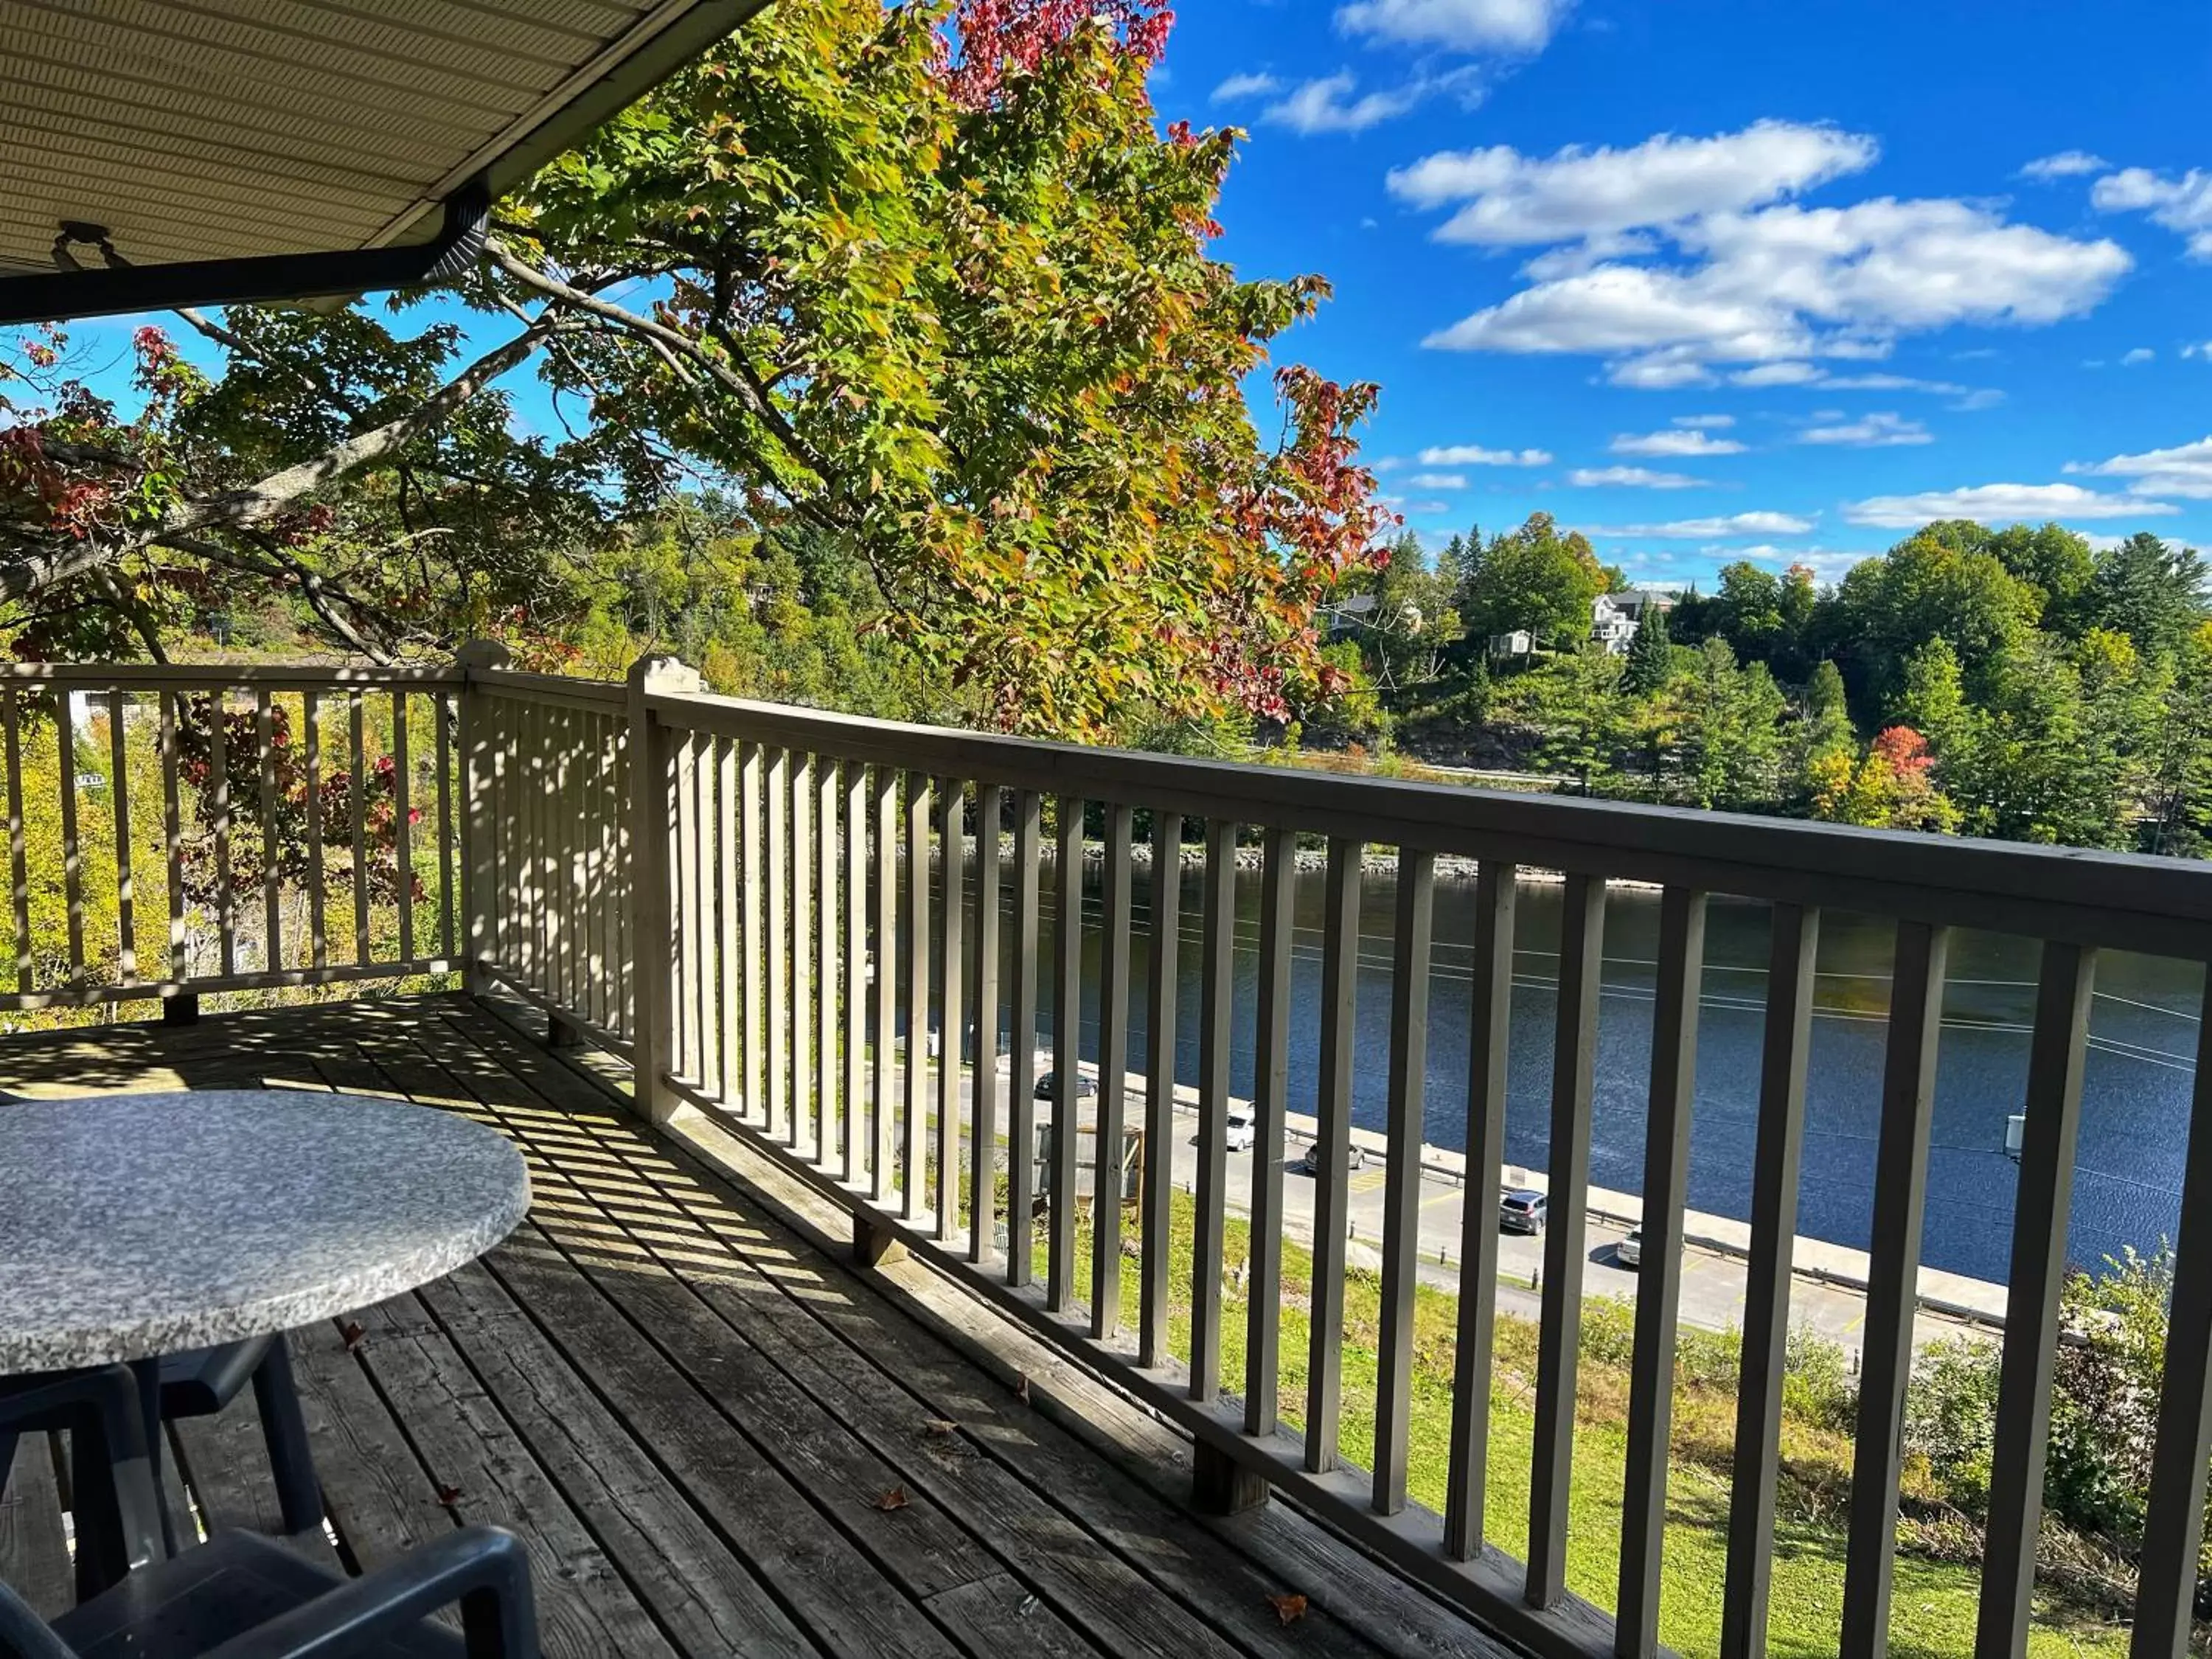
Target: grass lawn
<point x="1934" y="1603"/>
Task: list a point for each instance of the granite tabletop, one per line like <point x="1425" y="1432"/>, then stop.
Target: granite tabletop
<point x="135" y="1225"/>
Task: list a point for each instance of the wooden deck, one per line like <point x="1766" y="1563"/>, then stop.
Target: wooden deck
<point x="717" y="1436"/>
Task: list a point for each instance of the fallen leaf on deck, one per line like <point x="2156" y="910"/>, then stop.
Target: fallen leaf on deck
<point x="1288" y="1608"/>
<point x="894" y="1499"/>
<point x="1022" y="1389"/>
<point x="449" y="1495"/>
<point x="941" y="1428"/>
<point x="351" y="1332"/>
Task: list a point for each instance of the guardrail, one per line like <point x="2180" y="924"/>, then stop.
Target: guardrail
<point x="716" y="886"/>
<point x="177" y="830"/>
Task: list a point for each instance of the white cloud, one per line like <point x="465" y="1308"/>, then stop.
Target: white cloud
<point x="2001" y="503"/>
<point x="1515" y="26"/>
<point x="1630" y="477"/>
<point x="1988" y="396"/>
<point x="2183" y="205"/>
<point x="2140" y="355"/>
<point x="1517" y="201"/>
<point x="1436" y="481"/>
<point x="1258" y="84"/>
<point x="1882" y="382"/>
<point x="1427" y="509"/>
<point x="1782" y="374"/>
<point x="1476" y="455"/>
<point x="1680" y="254"/>
<point x="1827" y="564"/>
<point x="1735" y="524"/>
<point x="2066" y="164"/>
<point x="1869" y="432"/>
<point x="1715" y="420"/>
<point x="1327" y="106"/>
<point x="1679" y="440"/>
<point x="2100" y="544"/>
<point x="2184" y="470"/>
<point x="2200" y="349"/>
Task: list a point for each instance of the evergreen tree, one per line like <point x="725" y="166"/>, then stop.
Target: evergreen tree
<point x="1651" y="655"/>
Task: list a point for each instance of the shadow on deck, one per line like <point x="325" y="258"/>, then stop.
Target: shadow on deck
<point x="716" y="1436"/>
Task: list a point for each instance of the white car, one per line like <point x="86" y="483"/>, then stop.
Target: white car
<point x="1629" y="1253"/>
<point x="1243" y="1128"/>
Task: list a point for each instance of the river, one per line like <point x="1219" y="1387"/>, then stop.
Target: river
<point x="2135" y="1089"/>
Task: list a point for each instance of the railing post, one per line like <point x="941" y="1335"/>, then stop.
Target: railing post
<point x="478" y="831"/>
<point x="653" y="934"/>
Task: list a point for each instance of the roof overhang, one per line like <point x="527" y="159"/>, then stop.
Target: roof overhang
<point x="156" y="155"/>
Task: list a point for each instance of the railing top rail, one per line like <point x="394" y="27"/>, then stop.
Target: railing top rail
<point x="2113" y="900"/>
<point x="195" y="677"/>
<point x="514" y="683"/>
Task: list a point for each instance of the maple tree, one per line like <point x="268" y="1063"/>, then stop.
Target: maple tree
<point x="925" y="280"/>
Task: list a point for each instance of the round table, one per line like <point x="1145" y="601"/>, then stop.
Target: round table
<point x="137" y="1225"/>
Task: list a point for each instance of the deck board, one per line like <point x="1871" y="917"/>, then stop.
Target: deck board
<point x="692" y="1411"/>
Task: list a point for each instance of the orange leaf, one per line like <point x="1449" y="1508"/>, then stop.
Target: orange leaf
<point x="896" y="1498"/>
<point x="1288" y="1608"/>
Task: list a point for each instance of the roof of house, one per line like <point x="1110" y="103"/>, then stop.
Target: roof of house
<point x="162" y="155"/>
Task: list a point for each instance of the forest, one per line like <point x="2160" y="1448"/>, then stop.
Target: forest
<point x="2014" y="683"/>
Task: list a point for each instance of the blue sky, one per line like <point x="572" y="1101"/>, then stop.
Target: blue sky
<point x="1712" y="279"/>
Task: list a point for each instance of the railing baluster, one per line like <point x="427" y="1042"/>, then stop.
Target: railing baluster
<point x="1263" y="1325"/>
<point x="915" y="977"/>
<point x="173" y="842"/>
<point x="319" y="942"/>
<point x="951" y="972"/>
<point x="1659" y="1280"/>
<point x="1490" y="1032"/>
<point x="738" y="966"/>
<point x="1582" y="943"/>
<point x="574" y="908"/>
<point x="751" y="764"/>
<point x="72" y="849"/>
<point x="689" y="994"/>
<point x="265" y="749"/>
<point x="358" y="730"/>
<point x="597" y="999"/>
<point x="856" y="975"/>
<point x="779" y="965"/>
<point x="1339" y="991"/>
<point x="11" y="719"/>
<point x="1156" y="1224"/>
<point x="1216" y="1002"/>
<point x="1066" y="1055"/>
<point x="441" y="716"/>
<point x="882" y="1104"/>
<point x="826" y="1069"/>
<point x="983" y="1130"/>
<point x="1113" y="1073"/>
<point x="627" y="860"/>
<point x="1792" y="956"/>
<point x="1021" y="1058"/>
<point x="403" y="831"/>
<point x="2043" y="1202"/>
<point x="1900" y="1196"/>
<point x="806" y="1102"/>
<point x="219" y="781"/>
<point x="119" y="789"/>
<point x="1401" y="1188"/>
<point x="2173" y="1525"/>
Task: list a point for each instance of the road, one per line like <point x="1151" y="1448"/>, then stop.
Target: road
<point x="1712" y="1280"/>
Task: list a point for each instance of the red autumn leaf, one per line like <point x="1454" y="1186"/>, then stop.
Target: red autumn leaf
<point x="1288" y="1608"/>
<point x="449" y="1495"/>
<point x="896" y="1498"/>
<point x="351" y="1332"/>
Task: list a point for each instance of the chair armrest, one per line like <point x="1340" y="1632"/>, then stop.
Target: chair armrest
<point x="482" y="1568"/>
<point x="23" y="1634"/>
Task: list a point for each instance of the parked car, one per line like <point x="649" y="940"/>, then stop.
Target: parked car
<point x="1521" y="1210"/>
<point x="1311" y="1165"/>
<point x="1243" y="1128"/>
<point x="1629" y="1253"/>
<point x="1048" y="1086"/>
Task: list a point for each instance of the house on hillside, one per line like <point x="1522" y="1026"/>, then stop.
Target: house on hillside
<point x="1517" y="643"/>
<point x="1614" y="617"/>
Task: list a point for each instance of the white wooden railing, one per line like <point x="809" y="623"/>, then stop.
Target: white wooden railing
<point x="714" y="888"/>
<point x="176" y="830"/>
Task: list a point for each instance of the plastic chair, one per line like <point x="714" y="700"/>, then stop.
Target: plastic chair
<point x="119" y="1524"/>
<point x="201" y="1383"/>
<point x="241" y="1596"/>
